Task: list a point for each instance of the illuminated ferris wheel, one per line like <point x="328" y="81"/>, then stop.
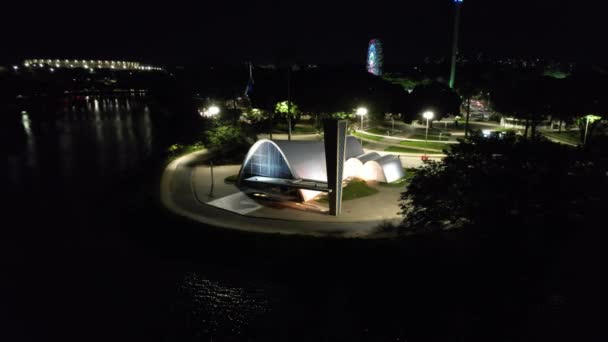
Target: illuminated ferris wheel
<point x="374" y="57"/>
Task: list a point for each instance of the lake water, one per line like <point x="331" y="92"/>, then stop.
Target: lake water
<point x="87" y="137"/>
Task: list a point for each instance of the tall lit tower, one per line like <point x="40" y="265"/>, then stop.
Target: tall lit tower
<point x="375" y="58"/>
<point x="458" y="4"/>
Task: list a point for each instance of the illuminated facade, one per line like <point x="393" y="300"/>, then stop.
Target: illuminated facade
<point x="91" y="64"/>
<point x="294" y="169"/>
<point x="375" y="57"/>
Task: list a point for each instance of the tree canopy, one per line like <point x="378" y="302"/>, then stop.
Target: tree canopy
<point x="506" y="182"/>
<point x="436" y="97"/>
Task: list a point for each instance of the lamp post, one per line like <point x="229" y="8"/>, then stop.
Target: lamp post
<point x="361" y="111"/>
<point x="428" y="115"/>
<point x="212" y="180"/>
<point x="288" y="103"/>
<point x="589" y="118"/>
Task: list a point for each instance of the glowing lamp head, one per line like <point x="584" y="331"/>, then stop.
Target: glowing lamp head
<point x="214" y="110"/>
<point x="361" y="111"/>
<point x="428" y="115"/>
<point x="210" y="112"/>
<point x="458" y="1"/>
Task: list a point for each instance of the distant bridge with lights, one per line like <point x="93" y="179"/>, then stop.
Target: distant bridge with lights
<point x="91" y="64"/>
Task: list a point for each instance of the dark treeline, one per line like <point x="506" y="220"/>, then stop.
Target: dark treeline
<point x="332" y="90"/>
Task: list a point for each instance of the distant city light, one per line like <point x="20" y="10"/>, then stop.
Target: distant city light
<point x="86" y="64"/>
<point x="52" y="70"/>
<point x="15" y="67"/>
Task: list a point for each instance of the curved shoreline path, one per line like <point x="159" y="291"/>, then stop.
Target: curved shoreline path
<point x="185" y="187"/>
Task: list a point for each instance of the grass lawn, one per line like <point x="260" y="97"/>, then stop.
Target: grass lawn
<point x="422" y="144"/>
<point x="572" y="137"/>
<point x="299" y="129"/>
<point x="431" y="136"/>
<point x="177" y="150"/>
<point x="367" y="136"/>
<point x="355" y="189"/>
<point x="379" y="130"/>
<point x="403" y="150"/>
<point x="403" y="181"/>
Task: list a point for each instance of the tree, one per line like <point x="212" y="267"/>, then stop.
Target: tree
<point x="436" y="97"/>
<point x="586" y="126"/>
<point x="470" y="84"/>
<point x="284" y="108"/>
<point x="510" y="182"/>
<point x="562" y="102"/>
<point x="524" y="99"/>
<point x="290" y="111"/>
<point x="586" y="92"/>
<point x="229" y="141"/>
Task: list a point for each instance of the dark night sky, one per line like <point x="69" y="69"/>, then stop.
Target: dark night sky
<point x="304" y="31"/>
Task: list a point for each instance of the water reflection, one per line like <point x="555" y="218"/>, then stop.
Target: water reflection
<point x="221" y="309"/>
<point x="80" y="139"/>
<point x="31" y="140"/>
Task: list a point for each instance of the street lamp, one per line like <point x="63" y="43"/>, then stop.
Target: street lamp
<point x="361" y="111"/>
<point x="428" y="115"/>
<point x="590" y="118"/>
<point x="210" y="112"/>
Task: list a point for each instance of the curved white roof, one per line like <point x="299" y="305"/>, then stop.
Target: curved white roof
<point x="385" y="159"/>
<point x="385" y="169"/>
<point x="306" y="160"/>
<point x="368" y="156"/>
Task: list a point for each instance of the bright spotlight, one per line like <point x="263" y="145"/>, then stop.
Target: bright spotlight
<point x="210" y="112"/>
<point x="428" y="115"/>
<point x="361" y="111"/>
<point x="214" y="110"/>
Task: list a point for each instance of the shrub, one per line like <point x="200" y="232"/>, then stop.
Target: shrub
<point x="229" y="142"/>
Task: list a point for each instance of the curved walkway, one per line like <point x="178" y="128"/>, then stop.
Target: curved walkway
<point x="185" y="186"/>
<point x="408" y="139"/>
